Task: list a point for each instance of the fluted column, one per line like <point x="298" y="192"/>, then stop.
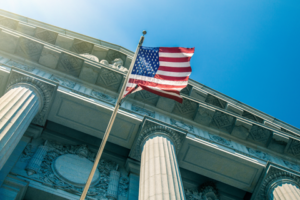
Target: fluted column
<point x="160" y="176"/>
<point x="284" y="189"/>
<point x="18" y="107"/>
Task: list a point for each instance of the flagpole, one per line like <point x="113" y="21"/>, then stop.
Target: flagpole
<point x="111" y="122"/>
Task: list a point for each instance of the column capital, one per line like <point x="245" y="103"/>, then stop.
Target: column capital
<point x="44" y="89"/>
<point x="150" y="128"/>
<point x="274" y="175"/>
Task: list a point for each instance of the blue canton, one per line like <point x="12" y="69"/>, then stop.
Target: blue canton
<point x="147" y="62"/>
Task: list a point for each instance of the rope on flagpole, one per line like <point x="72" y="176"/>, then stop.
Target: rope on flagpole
<point x="111" y="122"/>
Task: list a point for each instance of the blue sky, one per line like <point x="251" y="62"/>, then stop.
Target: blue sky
<point x="246" y="49"/>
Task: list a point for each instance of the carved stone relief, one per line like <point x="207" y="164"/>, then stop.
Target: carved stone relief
<point x="252" y="117"/>
<point x="20" y="66"/>
<point x="70" y="64"/>
<point x="109" y="79"/>
<point x="63" y="82"/>
<point x="46" y="35"/>
<point x="29" y="49"/>
<point x="146" y="97"/>
<point x="220" y="140"/>
<point x="55" y="172"/>
<point x="143" y="111"/>
<point x="294" y="148"/>
<point x="223" y="121"/>
<point x="80" y="46"/>
<point x="103" y="97"/>
<point x="112" y="54"/>
<point x="183" y="125"/>
<point x="204" y="116"/>
<point x="260" y="135"/>
<point x="186" y="90"/>
<point x="8" y="42"/>
<point x="9" y="23"/>
<point x="259" y="154"/>
<point x="215" y="101"/>
<point x="186" y="109"/>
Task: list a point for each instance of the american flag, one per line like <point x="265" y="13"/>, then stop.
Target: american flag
<point x="161" y="70"/>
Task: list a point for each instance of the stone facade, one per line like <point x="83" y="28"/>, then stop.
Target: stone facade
<point x="57" y="91"/>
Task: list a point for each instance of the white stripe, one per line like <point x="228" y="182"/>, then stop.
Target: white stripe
<point x="175" y="55"/>
<point x="176" y="74"/>
<point x="159" y="81"/>
<point x="174" y="64"/>
<point x="133" y="85"/>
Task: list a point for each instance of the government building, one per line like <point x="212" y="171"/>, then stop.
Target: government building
<point x="58" y="89"/>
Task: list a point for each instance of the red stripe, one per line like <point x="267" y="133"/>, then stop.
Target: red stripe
<point x="175" y="69"/>
<point x="171" y="78"/>
<point x="176" y="50"/>
<point x="147" y="83"/>
<point x="176" y="98"/>
<point x="182" y="59"/>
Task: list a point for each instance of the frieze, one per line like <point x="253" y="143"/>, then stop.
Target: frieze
<point x="259" y="154"/>
<point x="48" y="175"/>
<point x="20" y="66"/>
<point x="143" y="111"/>
<point x="183" y="125"/>
<point x="220" y="140"/>
<point x="63" y="81"/>
<point x="103" y="97"/>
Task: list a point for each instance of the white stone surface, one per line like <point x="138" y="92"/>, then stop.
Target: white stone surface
<point x="17" y="109"/>
<point x="74" y="169"/>
<point x="160" y="176"/>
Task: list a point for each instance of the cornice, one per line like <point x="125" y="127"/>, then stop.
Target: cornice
<point x="151" y="127"/>
<point x="45" y="90"/>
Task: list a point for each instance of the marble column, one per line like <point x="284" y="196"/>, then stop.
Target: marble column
<point x="284" y="189"/>
<point x="18" y="106"/>
<point x="159" y="176"/>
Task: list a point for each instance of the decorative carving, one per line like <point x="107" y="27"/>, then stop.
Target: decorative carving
<point x="112" y="55"/>
<point x="220" y="140"/>
<point x="90" y="56"/>
<point x="274" y="174"/>
<point x="252" y="117"/>
<point x="103" y="97"/>
<point x="258" y="154"/>
<point x="147" y="97"/>
<point x="80" y="46"/>
<point x="150" y="129"/>
<point x="45" y="91"/>
<point x="29" y="49"/>
<point x="292" y="165"/>
<point x="204" y="116"/>
<point x="209" y="191"/>
<point x="294" y="148"/>
<point x="142" y="111"/>
<point x="118" y="64"/>
<point x="183" y="125"/>
<point x="63" y="81"/>
<point x="192" y="194"/>
<point x="113" y="186"/>
<point x="70" y="64"/>
<point x="223" y="121"/>
<point x="10" y="23"/>
<point x="45" y="35"/>
<point x="123" y="186"/>
<point x="186" y="90"/>
<point x="109" y="79"/>
<point x="215" y="101"/>
<point x="186" y="109"/>
<point x="35" y="163"/>
<point x="20" y="66"/>
<point x="259" y="134"/>
<point x="46" y="175"/>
